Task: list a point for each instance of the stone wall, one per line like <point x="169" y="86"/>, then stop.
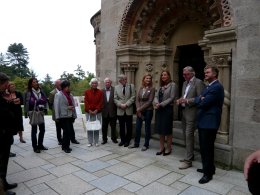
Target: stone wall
<point x="111" y="14"/>
<point x="245" y="90"/>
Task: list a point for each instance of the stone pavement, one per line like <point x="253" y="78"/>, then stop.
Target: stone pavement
<point x="110" y="169"/>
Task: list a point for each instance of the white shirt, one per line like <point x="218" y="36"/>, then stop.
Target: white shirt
<point x="108" y="94"/>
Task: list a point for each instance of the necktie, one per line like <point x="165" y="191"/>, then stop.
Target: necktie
<point x="124" y="90"/>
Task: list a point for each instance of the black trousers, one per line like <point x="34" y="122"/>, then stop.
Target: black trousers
<point x="112" y="122"/>
<point x="5" y="145"/>
<point x="67" y="126"/>
<point x="125" y="121"/>
<point x="39" y="143"/>
<point x="207" y="139"/>
<point x="58" y="131"/>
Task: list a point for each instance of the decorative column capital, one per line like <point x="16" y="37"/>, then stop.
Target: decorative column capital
<point x="129" y="66"/>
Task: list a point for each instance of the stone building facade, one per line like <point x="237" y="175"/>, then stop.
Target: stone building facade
<point x="147" y="36"/>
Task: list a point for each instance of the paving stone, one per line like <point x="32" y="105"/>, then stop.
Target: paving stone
<point x="137" y="160"/>
<point x="29" y="163"/>
<point x="62" y="160"/>
<point x="147" y="175"/>
<point x="121" y="191"/>
<point x="96" y="192"/>
<point x="180" y="185"/>
<point x="47" y="192"/>
<point x="39" y="188"/>
<point x="122" y="169"/>
<point x="113" y="161"/>
<point x="69" y="184"/>
<point x="132" y="187"/>
<point x="170" y="178"/>
<point x="93" y="155"/>
<point x="109" y="183"/>
<point x="101" y="173"/>
<point x="85" y="175"/>
<point x="235" y="178"/>
<point x="242" y="189"/>
<point x="13" y="167"/>
<point x="157" y="188"/>
<point x="26" y="175"/>
<point x="22" y="190"/>
<point x="40" y="180"/>
<point x="196" y="191"/>
<point x="214" y="185"/>
<point x="48" y="166"/>
<point x="46" y="156"/>
<point x="63" y="170"/>
<point x="93" y="166"/>
<point x="235" y="192"/>
<point x="109" y="157"/>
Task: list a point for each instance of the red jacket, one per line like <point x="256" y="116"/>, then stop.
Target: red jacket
<point x="93" y="100"/>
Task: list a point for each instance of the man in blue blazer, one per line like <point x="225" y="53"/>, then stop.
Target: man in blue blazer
<point x="209" y="104"/>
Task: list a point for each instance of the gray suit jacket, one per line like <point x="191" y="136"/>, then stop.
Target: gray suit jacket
<point x="170" y="93"/>
<point x="61" y="106"/>
<point x="109" y="108"/>
<point x="51" y="102"/>
<point x="128" y="99"/>
<point x="196" y="87"/>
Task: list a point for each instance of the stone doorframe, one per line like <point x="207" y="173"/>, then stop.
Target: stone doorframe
<point x="217" y="44"/>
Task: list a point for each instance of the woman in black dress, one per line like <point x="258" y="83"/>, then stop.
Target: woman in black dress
<point x="17" y="98"/>
<point x="164" y="112"/>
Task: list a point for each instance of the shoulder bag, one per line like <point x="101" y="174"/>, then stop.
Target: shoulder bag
<point x="36" y="116"/>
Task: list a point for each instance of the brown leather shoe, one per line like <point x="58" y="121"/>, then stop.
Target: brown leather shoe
<point x="185" y="165"/>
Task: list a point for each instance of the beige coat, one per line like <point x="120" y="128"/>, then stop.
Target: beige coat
<point x="128" y="99"/>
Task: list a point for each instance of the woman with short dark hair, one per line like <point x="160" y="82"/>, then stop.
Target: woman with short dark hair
<point x="65" y="113"/>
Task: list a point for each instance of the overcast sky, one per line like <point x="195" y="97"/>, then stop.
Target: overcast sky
<point x="57" y="33"/>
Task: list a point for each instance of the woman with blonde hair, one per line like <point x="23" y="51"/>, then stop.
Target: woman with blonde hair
<point x="144" y="111"/>
<point x="164" y="112"/>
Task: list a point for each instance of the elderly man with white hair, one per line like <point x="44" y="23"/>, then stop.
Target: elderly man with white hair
<point x="93" y="106"/>
<point x="124" y="97"/>
<point x="109" y="112"/>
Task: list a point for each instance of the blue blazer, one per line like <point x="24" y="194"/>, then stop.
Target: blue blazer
<point x="210" y="108"/>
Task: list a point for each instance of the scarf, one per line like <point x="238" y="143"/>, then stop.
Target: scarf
<point x="37" y="93"/>
<point x="67" y="95"/>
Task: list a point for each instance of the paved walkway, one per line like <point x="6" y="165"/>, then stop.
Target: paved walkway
<point x="110" y="169"/>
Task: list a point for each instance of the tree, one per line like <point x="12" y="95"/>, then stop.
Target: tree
<point x="80" y="73"/>
<point x="18" y="59"/>
<point x="47" y="84"/>
<point x="69" y="77"/>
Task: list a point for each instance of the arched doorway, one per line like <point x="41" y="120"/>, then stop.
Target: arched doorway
<point x="163" y="33"/>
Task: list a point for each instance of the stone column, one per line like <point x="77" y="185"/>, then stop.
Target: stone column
<point x="129" y="69"/>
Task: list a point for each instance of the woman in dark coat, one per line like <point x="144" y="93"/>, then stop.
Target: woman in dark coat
<point x="35" y="97"/>
<point x="164" y="112"/>
<point x="17" y="98"/>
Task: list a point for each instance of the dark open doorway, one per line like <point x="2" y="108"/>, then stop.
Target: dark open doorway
<point x="190" y="55"/>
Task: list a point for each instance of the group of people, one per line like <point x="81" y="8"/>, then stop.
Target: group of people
<point x="201" y="108"/>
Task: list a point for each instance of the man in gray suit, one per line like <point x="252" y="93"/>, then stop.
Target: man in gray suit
<point x="124" y="97"/>
<point x="51" y="102"/>
<point x="108" y="112"/>
<point x="192" y="87"/>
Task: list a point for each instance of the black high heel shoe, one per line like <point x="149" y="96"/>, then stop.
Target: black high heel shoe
<point x="161" y="152"/>
<point x="167" y="153"/>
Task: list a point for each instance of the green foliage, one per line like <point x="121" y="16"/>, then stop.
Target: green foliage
<point x="18" y="59"/>
<point x="80" y="73"/>
<point x="47" y="85"/>
<point x="21" y="84"/>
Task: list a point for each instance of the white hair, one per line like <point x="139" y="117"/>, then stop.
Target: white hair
<point x="93" y="80"/>
<point x="107" y="79"/>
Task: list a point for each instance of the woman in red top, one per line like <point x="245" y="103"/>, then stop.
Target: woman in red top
<point x="93" y="106"/>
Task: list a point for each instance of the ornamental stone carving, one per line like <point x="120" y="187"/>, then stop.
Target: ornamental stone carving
<point x="149" y="67"/>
